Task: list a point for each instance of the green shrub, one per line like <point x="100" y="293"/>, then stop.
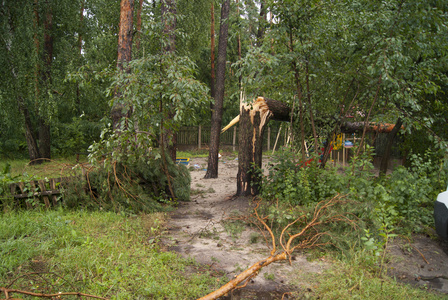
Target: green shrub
<point x="135" y="186"/>
<point x="404" y="198"/>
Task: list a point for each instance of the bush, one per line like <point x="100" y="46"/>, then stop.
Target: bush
<point x="404" y="198"/>
<point x="136" y="186"/>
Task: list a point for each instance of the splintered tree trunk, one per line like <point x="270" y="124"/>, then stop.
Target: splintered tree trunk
<point x="250" y="140"/>
<point x="253" y="120"/>
<point x="212" y="167"/>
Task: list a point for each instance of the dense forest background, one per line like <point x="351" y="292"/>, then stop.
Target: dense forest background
<point x="372" y="61"/>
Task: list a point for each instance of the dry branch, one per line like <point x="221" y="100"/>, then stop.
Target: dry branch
<point x="309" y="235"/>
<point x="41" y="295"/>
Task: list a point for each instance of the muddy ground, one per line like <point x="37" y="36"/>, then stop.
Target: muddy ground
<point x="205" y="229"/>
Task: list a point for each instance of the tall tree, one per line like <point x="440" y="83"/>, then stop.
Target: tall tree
<point x="212" y="168"/>
<point x="44" y="126"/>
<point x="139" y="26"/>
<point x="119" y="110"/>
<point x="212" y="53"/>
<point x="168" y="10"/>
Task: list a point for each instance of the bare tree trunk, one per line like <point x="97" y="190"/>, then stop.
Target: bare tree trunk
<point x="124" y="55"/>
<point x="44" y="126"/>
<point x="33" y="150"/>
<point x="212" y="54"/>
<point x="240" y="78"/>
<point x="81" y="29"/>
<point x="390" y="141"/>
<point x="299" y="96"/>
<point x="368" y="116"/>
<point x="212" y="168"/>
<point x="169" y="27"/>
<point x="308" y="93"/>
<point x="139" y="26"/>
<point x="261" y="23"/>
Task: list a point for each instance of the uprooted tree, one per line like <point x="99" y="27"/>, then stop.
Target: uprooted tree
<point x="308" y="235"/>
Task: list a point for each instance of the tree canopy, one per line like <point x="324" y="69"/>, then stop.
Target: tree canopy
<point x="372" y="61"/>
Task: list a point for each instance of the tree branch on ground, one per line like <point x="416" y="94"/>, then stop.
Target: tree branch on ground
<point x="308" y="237"/>
<point x="7" y="291"/>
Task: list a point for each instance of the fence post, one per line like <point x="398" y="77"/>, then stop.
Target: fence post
<point x="199" y="138"/>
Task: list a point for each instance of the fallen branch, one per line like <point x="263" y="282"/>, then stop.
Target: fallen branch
<point x="307" y="242"/>
<point x="41" y="295"/>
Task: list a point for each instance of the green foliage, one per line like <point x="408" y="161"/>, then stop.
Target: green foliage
<point x="402" y="200"/>
<point x="130" y="186"/>
<point x="6" y="178"/>
<point x="292" y="184"/>
<point x="99" y="253"/>
<point x="407" y="196"/>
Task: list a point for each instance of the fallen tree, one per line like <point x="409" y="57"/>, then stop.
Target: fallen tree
<point x="309" y="236"/>
<point x="253" y="119"/>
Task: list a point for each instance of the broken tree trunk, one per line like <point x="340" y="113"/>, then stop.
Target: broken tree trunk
<point x="253" y="119"/>
<point x="352" y="127"/>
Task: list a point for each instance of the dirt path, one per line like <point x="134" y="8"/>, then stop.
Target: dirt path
<point x="203" y="229"/>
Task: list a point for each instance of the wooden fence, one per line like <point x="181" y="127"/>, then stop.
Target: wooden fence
<point x="37" y="192"/>
<point x="198" y="137"/>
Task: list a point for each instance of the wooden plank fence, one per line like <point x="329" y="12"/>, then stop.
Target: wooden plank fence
<point x="35" y="192"/>
<point x="199" y="137"/>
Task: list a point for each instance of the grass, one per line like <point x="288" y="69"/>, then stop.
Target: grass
<point x="98" y="253"/>
<point x="350" y="280"/>
<point x="21" y="169"/>
<point x="194" y="153"/>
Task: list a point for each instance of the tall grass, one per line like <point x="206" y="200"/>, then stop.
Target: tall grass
<point x="99" y="253"/>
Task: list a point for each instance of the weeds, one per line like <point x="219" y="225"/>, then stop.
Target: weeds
<point x="100" y="253"/>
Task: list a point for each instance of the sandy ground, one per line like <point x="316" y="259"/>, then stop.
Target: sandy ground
<point x="201" y="229"/>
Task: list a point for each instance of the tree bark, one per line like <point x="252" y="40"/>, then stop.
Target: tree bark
<point x="212" y="54"/>
<point x="212" y="168"/>
<point x="169" y="47"/>
<point x="33" y="149"/>
<point x="261" y="23"/>
<point x="44" y="126"/>
<point x="390" y="141"/>
<point x="169" y="25"/>
<point x="308" y="93"/>
<point x="250" y="142"/>
<point x="352" y="127"/>
<point x="299" y="96"/>
<point x="80" y="32"/>
<point x="253" y="120"/>
<point x="139" y="26"/>
<point x="124" y="55"/>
